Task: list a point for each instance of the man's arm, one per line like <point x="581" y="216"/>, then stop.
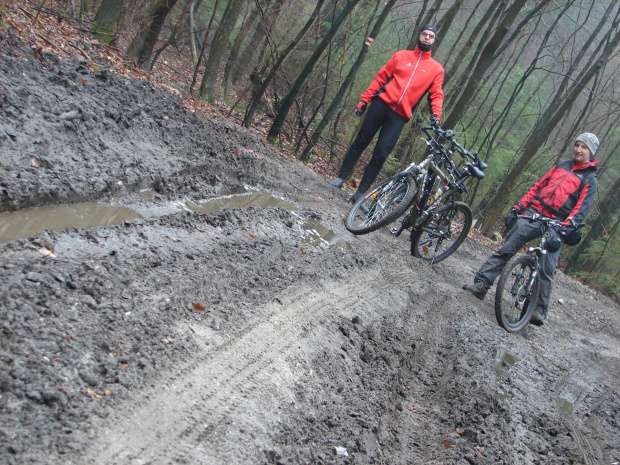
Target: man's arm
<point x="529" y="197"/>
<point x="381" y="78"/>
<point x="435" y="94"/>
<point x="584" y="202"/>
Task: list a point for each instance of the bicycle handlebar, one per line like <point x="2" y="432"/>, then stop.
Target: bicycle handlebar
<point x="449" y="135"/>
<point x="551" y="221"/>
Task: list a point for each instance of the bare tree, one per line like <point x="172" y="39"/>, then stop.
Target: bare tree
<point x="263" y="84"/>
<point x="287" y="102"/>
<point x="106" y="20"/>
<point x="142" y="45"/>
<point x="220" y="44"/>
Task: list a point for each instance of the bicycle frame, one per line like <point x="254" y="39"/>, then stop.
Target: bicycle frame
<point x="523" y="293"/>
<point x="429" y="176"/>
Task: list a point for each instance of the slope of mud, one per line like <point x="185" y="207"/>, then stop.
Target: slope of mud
<point x="232" y="337"/>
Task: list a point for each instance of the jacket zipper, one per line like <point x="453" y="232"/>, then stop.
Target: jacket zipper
<point x="407" y="86"/>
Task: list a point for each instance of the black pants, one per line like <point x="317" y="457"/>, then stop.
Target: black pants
<point x="379" y="116"/>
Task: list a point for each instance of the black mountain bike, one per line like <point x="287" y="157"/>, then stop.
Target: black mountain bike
<point x="439" y="222"/>
<point x="518" y="287"/>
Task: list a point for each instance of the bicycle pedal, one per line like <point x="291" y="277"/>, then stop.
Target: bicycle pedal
<point x="396" y="232"/>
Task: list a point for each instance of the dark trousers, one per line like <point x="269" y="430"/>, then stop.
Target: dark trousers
<point x="520" y="234"/>
<point x="378" y="117"/>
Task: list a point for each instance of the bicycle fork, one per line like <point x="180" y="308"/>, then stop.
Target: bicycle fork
<point x="522" y="292"/>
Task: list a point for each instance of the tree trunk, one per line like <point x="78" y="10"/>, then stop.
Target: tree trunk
<point x="142" y="45"/>
<point x="106" y="20"/>
<point x="259" y="38"/>
<point x="203" y="47"/>
<point x="220" y="44"/>
<point x="192" y="34"/>
<point x="288" y="101"/>
<point x="444" y="24"/>
<point x="172" y="39"/>
<point x="232" y="63"/>
<point x="346" y="83"/>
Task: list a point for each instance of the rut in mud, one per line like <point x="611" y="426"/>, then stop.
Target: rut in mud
<point x="235" y="336"/>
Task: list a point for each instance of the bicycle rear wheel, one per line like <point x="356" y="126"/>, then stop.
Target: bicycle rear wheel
<point x="444" y="231"/>
<point x="381" y="205"/>
<point x="517" y="293"/>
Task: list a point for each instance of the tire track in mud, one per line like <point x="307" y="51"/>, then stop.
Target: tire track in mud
<point x="192" y="416"/>
<point x="433" y="369"/>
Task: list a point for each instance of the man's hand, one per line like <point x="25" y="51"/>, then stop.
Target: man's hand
<point x="511" y="218"/>
<point x="360" y="108"/>
<point x="435" y="122"/>
<point x="568" y="222"/>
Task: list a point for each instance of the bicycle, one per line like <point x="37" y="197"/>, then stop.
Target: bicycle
<point x="438" y="220"/>
<point x="518" y="287"/>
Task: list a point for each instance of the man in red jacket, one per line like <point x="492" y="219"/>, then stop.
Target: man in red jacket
<point x="567" y="193"/>
<point x="396" y="90"/>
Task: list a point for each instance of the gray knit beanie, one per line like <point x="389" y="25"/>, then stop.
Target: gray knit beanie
<point x="590" y="140"/>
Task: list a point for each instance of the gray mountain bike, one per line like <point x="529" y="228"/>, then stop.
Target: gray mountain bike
<point x="518" y="287"/>
<point x="438" y="220"/>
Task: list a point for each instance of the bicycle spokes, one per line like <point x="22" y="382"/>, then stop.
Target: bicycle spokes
<point x="517" y="293"/>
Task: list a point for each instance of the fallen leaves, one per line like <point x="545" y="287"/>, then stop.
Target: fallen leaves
<point x="46" y="253"/>
<point x="199" y="308"/>
<point x="93" y="395"/>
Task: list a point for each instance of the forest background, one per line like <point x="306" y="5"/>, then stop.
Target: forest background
<point x="523" y="79"/>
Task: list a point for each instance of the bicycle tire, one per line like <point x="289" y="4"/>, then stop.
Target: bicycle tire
<point x="514" y="302"/>
<point x="429" y="238"/>
<point x="384" y="203"/>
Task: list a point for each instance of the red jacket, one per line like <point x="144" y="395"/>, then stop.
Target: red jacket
<point x="404" y="80"/>
<point x="567" y="190"/>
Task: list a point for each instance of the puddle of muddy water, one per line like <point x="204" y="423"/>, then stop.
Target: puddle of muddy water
<point x="503" y="360"/>
<point x="564" y="405"/>
<point x="32" y="221"/>
<point x="318" y="235"/>
<point x="257" y="199"/>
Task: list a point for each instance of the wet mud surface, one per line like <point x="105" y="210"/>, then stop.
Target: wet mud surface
<point x="235" y="336"/>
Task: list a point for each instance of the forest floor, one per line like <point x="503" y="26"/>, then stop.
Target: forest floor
<point x="218" y="311"/>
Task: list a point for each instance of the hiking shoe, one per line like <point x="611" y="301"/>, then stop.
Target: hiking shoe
<point x="477" y="289"/>
<point x="338" y="182"/>
<point x="538" y="317"/>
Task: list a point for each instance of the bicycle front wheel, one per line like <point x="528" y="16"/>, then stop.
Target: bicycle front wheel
<point x="381" y="205"/>
<point x="442" y="233"/>
<point x="517" y="293"/>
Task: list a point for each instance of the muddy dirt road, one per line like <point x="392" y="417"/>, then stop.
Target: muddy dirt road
<point x="217" y="311"/>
